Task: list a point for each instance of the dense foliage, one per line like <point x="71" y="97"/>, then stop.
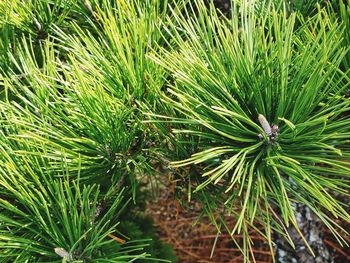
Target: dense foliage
<point x="251" y="111"/>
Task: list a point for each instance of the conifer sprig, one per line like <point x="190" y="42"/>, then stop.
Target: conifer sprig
<point x="226" y="74"/>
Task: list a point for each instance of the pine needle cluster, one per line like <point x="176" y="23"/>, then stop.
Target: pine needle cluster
<point x="251" y="112"/>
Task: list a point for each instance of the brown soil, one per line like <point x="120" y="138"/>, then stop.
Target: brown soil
<point x="193" y="238"/>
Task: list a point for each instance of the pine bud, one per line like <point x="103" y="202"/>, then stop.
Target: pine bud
<point x="63" y="253"/>
<point x="265" y="124"/>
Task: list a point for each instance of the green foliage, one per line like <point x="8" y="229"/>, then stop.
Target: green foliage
<point x="226" y="73"/>
<point x="81" y="105"/>
<point x="253" y="111"/>
<point x="41" y="215"/>
<point x="140" y="227"/>
<point x="72" y="133"/>
<point x="344" y="11"/>
<point x="70" y="117"/>
<point x="34" y="19"/>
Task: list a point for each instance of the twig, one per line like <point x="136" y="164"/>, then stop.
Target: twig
<point x="340" y="251"/>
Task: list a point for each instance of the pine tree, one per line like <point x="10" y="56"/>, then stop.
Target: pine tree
<point x="251" y="111"/>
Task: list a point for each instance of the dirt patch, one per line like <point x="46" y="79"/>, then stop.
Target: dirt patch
<point x="193" y="239"/>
